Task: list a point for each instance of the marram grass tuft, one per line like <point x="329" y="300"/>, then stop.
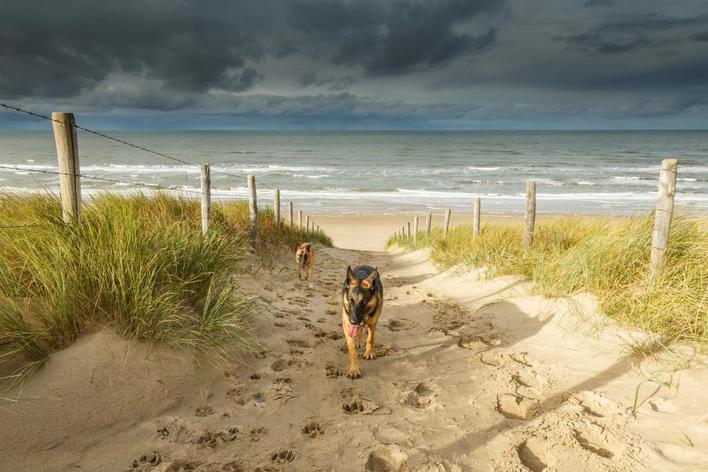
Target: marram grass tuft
<point x="608" y="257"/>
<point x="137" y="263"/>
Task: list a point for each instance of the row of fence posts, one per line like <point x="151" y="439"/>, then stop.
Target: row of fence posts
<point x="660" y="236"/>
<point x="65" y="137"/>
<point x="64" y="127"/>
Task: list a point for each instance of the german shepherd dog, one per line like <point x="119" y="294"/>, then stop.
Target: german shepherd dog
<point x="362" y="301"/>
<point x="305" y="260"/>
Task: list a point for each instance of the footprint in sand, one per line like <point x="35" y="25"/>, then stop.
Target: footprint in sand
<point x="298" y="343"/>
<point x="517" y="407"/>
<point x="279" y="365"/>
<point x="204" y="411"/>
<point x="384" y="350"/>
<point x="596" y="405"/>
<point x="147" y="461"/>
<point x="473" y="343"/>
<point x="594" y="439"/>
<point x="183" y="466"/>
<point x="282" y="388"/>
<point x="534" y="454"/>
<point x="312" y="429"/>
<point x="390" y="458"/>
<point x="493" y="358"/>
<point x="521" y="358"/>
<point x="400" y="324"/>
<point x="283" y="457"/>
<point x="420" y="397"/>
<point x="257" y="434"/>
<point x="214" y="440"/>
<point x="449" y="317"/>
<point x="333" y="372"/>
<point x="359" y="406"/>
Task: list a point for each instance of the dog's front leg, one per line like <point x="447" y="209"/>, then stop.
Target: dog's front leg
<point x="369" y="353"/>
<point x="354" y="372"/>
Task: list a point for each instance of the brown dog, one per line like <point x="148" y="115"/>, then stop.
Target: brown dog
<point x="362" y="301"/>
<point x="305" y="260"/>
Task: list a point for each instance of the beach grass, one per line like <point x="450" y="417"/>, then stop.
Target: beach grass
<point x="608" y="257"/>
<point x="136" y="263"/>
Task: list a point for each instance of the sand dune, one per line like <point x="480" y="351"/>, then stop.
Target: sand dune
<point x="470" y="375"/>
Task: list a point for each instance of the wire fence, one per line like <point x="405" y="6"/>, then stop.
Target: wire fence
<point x="205" y="193"/>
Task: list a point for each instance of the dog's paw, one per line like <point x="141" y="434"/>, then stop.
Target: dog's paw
<point x="354" y="373"/>
<point x="369" y="355"/>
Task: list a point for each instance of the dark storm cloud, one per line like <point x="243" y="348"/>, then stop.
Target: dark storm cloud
<point x="602" y="42"/>
<point x="397" y="36"/>
<point x="61" y="48"/>
<point x="627" y="34"/>
<point x="599" y="3"/>
<point x="454" y="61"/>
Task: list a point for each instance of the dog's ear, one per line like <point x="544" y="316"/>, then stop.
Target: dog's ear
<point x="350" y="275"/>
<point x="369" y="281"/>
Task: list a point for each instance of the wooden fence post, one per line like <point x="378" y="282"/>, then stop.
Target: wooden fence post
<point x="415" y="229"/>
<point x="530" y="218"/>
<point x="307" y="224"/>
<point x="206" y="197"/>
<point x="299" y="217"/>
<point x="429" y="222"/>
<point x="67" y="145"/>
<point x="447" y="221"/>
<point x="291" y="214"/>
<point x="253" y="209"/>
<point x="409" y="229"/>
<point x="276" y="207"/>
<point x="662" y="217"/>
<point x="476" y="210"/>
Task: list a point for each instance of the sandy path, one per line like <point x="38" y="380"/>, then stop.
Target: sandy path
<point x="450" y="390"/>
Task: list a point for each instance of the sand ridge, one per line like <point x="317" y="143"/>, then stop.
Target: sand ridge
<point x="453" y="388"/>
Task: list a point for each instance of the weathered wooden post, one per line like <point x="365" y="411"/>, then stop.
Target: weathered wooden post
<point x="429" y="222"/>
<point x="662" y="217"/>
<point x="206" y="197"/>
<point x="476" y="210"/>
<point x="415" y="229"/>
<point x="299" y="217"/>
<point x="447" y="221"/>
<point x="253" y="209"/>
<point x="307" y="223"/>
<point x="409" y="229"/>
<point x="67" y="145"/>
<point x="291" y="214"/>
<point x="276" y="207"/>
<point x="530" y="218"/>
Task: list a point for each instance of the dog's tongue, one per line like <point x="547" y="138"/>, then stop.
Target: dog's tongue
<point x="354" y="331"/>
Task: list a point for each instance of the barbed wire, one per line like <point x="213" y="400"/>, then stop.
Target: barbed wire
<point x="213" y="192"/>
<point x="112" y="138"/>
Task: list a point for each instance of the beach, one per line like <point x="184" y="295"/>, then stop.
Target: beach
<point x="471" y="373"/>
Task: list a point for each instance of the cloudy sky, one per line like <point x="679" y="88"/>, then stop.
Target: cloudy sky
<point x="358" y="64"/>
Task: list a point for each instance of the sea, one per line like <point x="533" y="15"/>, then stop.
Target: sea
<point x="588" y="172"/>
